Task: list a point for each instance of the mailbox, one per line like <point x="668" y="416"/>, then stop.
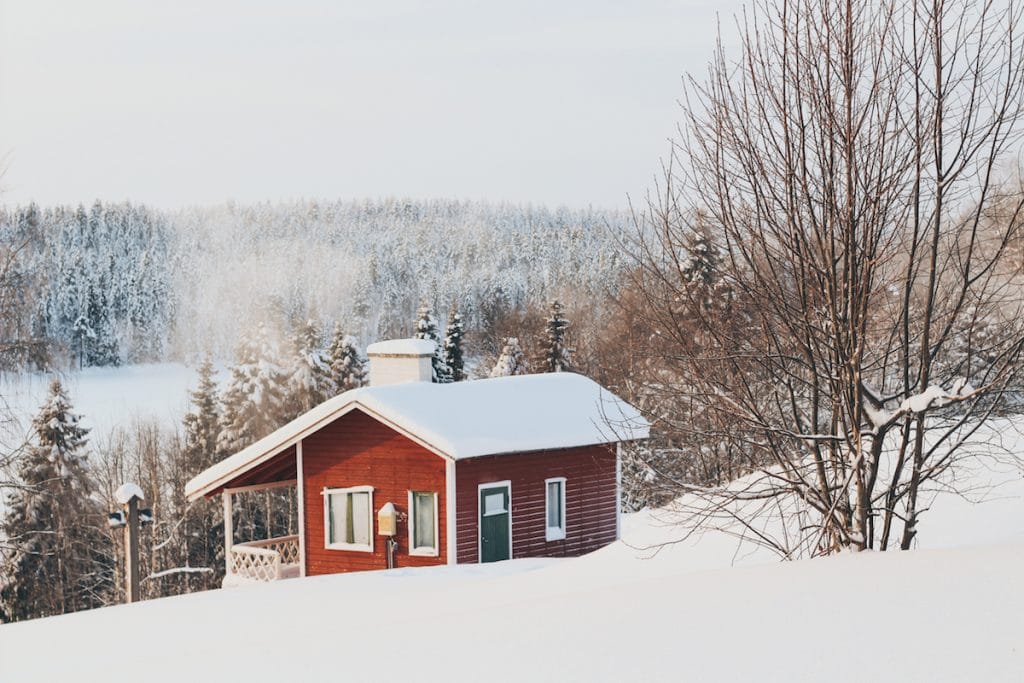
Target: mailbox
<point x="387" y="520"/>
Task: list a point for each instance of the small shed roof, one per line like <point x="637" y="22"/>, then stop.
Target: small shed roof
<point x="462" y="420"/>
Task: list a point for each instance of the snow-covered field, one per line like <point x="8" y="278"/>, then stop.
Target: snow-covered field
<point x="699" y="610"/>
<point x="105" y="397"/>
<point x="703" y="609"/>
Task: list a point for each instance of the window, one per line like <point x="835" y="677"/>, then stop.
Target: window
<point x="555" y="507"/>
<point x="348" y="518"/>
<point x="422" y="523"/>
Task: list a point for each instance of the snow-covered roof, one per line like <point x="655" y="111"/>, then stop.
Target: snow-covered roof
<point x="125" y="492"/>
<point x="401" y="347"/>
<point x="462" y="420"/>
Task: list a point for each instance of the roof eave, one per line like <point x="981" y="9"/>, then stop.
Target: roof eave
<point x="270" y="451"/>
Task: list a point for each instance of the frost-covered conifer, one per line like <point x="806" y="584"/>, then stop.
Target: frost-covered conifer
<point x="426" y="328"/>
<point x="60" y="557"/>
<point x="700" y="272"/>
<point x="511" y="361"/>
<point x="701" y="262"/>
<point x="252" y="404"/>
<point x="453" y="358"/>
<point x="310" y="383"/>
<point x="556" y="353"/>
<point x="202" y="421"/>
<point x="202" y="529"/>
<point x="348" y="371"/>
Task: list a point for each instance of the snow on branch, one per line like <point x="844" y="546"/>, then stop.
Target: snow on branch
<point x="937" y="397"/>
<point x="932" y="397"/>
<point x="179" y="570"/>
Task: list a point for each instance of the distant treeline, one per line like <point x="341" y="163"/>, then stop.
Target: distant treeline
<point x="124" y="283"/>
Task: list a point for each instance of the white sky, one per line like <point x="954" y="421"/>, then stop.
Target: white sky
<point x="182" y="102"/>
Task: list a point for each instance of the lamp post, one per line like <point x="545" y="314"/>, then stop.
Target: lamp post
<point x="129" y="517"/>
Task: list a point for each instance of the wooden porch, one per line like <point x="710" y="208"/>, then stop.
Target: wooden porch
<point x="261" y="560"/>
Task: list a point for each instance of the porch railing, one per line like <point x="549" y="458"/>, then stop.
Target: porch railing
<point x="265" y="560"/>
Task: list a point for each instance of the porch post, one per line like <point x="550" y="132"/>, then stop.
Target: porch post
<point x="229" y="531"/>
<point x="300" y="494"/>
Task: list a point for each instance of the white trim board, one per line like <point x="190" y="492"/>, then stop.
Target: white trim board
<point x="618" y="491"/>
<point x="300" y="494"/>
<point x="451" y="524"/>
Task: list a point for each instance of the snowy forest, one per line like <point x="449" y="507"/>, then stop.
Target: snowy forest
<point x="121" y="283"/>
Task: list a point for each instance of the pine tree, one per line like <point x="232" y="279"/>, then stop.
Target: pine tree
<point x="61" y="559"/>
<point x="511" y="361"/>
<point x="700" y="270"/>
<point x="556" y="353"/>
<point x="701" y="261"/>
<point x="203" y="526"/>
<point x="426" y="328"/>
<point x="310" y="383"/>
<point x="202" y="421"/>
<point x="252" y="404"/>
<point x="348" y="371"/>
<point x="453" y="358"/>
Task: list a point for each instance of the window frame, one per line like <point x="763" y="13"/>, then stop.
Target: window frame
<point x="554" y="533"/>
<point x="352" y="547"/>
<point x="423" y="551"/>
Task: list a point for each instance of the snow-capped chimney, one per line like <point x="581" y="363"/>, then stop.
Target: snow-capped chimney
<point x="400" y="360"/>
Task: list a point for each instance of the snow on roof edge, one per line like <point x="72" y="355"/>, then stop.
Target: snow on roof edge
<point x="566" y="410"/>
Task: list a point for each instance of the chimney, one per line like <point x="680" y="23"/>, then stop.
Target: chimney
<point x="400" y="360"/>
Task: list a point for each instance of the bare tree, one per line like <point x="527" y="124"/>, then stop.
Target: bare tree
<point x="848" y="166"/>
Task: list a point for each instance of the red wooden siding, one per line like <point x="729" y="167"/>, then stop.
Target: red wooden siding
<point x="590" y="500"/>
<point x="356" y="450"/>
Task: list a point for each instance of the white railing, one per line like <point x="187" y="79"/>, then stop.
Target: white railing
<point x="267" y="560"/>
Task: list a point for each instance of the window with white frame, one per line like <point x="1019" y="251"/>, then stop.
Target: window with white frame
<point x="555" y="508"/>
<point x="348" y="518"/>
<point x="422" y="523"/>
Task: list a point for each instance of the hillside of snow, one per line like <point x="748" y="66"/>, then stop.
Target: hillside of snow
<point x="705" y="609"/>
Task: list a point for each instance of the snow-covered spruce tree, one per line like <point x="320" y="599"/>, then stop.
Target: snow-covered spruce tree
<point x="59" y="557"/>
<point x="348" y="371"/>
<point x="83" y="335"/>
<point x="252" y="404"/>
<point x="203" y="526"/>
<point x="453" y="358"/>
<point x="701" y="270"/>
<point x="556" y="353"/>
<point x="310" y="382"/>
<point x="23" y="343"/>
<point x="426" y="328"/>
<point x="511" y="361"/>
<point x="202" y="421"/>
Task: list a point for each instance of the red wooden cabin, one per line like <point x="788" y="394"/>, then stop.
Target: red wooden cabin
<point x="474" y="471"/>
